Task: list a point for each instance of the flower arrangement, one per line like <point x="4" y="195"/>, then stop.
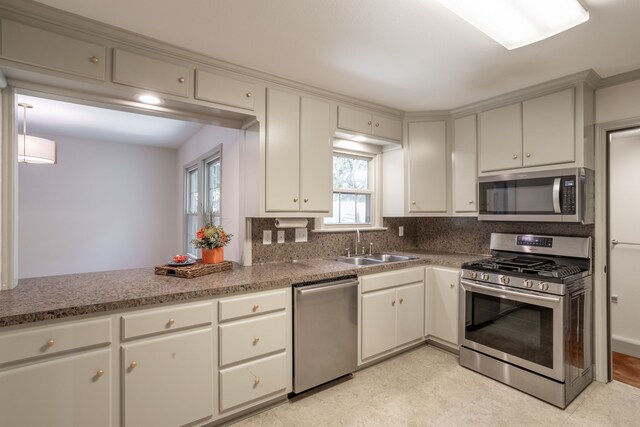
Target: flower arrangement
<point x="211" y="236"/>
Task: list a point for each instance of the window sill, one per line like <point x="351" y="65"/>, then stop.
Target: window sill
<point x="348" y="230"/>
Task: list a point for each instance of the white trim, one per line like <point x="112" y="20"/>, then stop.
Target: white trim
<point x="345" y="229"/>
<point x="625" y="346"/>
<point x="9" y="212"/>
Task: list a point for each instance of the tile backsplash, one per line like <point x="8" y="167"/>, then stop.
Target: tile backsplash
<point x="444" y="234"/>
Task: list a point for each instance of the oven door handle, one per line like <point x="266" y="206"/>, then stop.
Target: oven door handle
<point x="556" y="195"/>
<point x="502" y="293"/>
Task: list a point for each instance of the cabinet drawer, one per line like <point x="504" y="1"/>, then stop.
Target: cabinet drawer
<point x="54" y="339"/>
<point x="250" y="305"/>
<point x="224" y="90"/>
<point x="162" y="320"/>
<point x="252" y="381"/>
<point x="253" y="337"/>
<point x="45" y="49"/>
<point x="141" y="71"/>
<point x="391" y="279"/>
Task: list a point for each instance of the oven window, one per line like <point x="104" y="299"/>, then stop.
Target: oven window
<point x="512" y="327"/>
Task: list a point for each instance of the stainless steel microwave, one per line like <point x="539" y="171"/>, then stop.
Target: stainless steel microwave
<point x="561" y="195"/>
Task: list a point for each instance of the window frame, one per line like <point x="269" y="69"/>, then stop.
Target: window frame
<point x="201" y="166"/>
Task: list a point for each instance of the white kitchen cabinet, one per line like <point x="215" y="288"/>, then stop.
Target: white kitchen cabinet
<point x="42" y="48"/>
<point x="298" y="154"/>
<point x="224" y="90"/>
<point x="145" y="72"/>
<point x="169" y="381"/>
<point x="548" y="129"/>
<point x="392" y="312"/>
<point x="443" y="286"/>
<point x="427" y="161"/>
<point x="500" y="138"/>
<point x="368" y="123"/>
<point x="464" y="165"/>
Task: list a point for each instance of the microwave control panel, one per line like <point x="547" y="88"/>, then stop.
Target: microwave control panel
<point x="568" y="195"/>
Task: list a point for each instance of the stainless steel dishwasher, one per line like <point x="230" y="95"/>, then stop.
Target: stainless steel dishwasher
<point x="325" y="331"/>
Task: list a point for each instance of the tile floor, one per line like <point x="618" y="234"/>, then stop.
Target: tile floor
<point x="427" y="387"/>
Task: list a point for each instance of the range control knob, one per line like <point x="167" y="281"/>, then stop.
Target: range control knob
<point x="543" y="286"/>
<point x="485" y="276"/>
<point x="473" y="274"/>
<point x="527" y="283"/>
<point x="504" y="280"/>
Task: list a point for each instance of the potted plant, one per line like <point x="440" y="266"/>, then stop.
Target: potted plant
<point x="211" y="239"/>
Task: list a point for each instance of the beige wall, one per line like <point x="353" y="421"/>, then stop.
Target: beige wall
<point x="618" y="102"/>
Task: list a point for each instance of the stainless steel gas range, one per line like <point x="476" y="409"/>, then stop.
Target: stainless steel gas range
<point x="525" y="315"/>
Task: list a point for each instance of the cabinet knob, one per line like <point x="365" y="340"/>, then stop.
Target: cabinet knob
<point x="171" y="322"/>
<point x="369" y="122"/>
<point x="49" y="343"/>
<point x="515" y="156"/>
<point x="248" y="94"/>
<point x="94" y="59"/>
<point x="377" y="125"/>
<point x="256" y="340"/>
<point x="393" y="303"/>
<point x="99" y="373"/>
<point x="133" y="364"/>
<point x="256" y="382"/>
<point x="471" y="202"/>
<point x="528" y="154"/>
<point x="451" y="285"/>
<point x="413" y="202"/>
<point x="306" y="199"/>
<point x="255" y="307"/>
<point x="181" y="80"/>
<point x="401" y="300"/>
<point x="295" y="199"/>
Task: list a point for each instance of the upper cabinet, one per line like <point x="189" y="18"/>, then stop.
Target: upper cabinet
<point x="298" y="154"/>
<point x="427" y="160"/>
<point x="540" y="132"/>
<point x="142" y="71"/>
<point x="49" y="50"/>
<point x="368" y="123"/>
<point x="224" y="90"/>
<point x="464" y="165"/>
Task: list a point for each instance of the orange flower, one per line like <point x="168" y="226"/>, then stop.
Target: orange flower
<point x="200" y="234"/>
<point x="223" y="237"/>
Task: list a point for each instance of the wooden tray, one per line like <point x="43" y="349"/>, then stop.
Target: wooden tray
<point x="194" y="270"/>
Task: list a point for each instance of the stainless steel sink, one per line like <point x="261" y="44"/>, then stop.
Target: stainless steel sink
<point x="374" y="259"/>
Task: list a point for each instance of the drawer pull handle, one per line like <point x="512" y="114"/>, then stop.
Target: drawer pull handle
<point x="94" y="59"/>
<point x="295" y="199"/>
<point x="528" y="154"/>
<point x="451" y="285"/>
<point x="171" y="322"/>
<point x="393" y="303"/>
<point x="306" y="199"/>
<point x="256" y="340"/>
<point x="401" y="300"/>
<point x="369" y="122"/>
<point x="515" y="156"/>
<point x="377" y="124"/>
<point x="49" y="343"/>
<point x="249" y="95"/>
<point x="255" y="307"/>
<point x="181" y="80"/>
<point x="99" y="373"/>
<point x="256" y="382"/>
<point x="133" y="365"/>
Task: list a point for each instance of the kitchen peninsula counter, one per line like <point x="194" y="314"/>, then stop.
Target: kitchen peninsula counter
<point x="57" y="297"/>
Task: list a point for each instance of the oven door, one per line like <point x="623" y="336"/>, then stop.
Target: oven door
<point x="521" y="327"/>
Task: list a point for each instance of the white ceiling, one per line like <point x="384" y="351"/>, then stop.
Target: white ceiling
<point x="413" y="55"/>
<point x="52" y="118"/>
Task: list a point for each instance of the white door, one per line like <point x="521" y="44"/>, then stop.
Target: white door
<point x="427" y="161"/>
<point x="410" y="315"/>
<point x="378" y="322"/>
<point x="624" y="266"/>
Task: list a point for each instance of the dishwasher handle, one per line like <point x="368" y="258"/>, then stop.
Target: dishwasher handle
<point x="338" y="284"/>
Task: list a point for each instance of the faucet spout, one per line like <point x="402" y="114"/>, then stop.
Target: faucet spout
<point x="357" y="240"/>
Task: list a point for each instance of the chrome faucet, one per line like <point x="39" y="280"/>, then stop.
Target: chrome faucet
<point x="357" y="240"/>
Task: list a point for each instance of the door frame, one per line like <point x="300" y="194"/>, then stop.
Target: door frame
<point x="601" y="291"/>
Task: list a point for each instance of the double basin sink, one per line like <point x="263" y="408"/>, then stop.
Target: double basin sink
<point x="374" y="259"/>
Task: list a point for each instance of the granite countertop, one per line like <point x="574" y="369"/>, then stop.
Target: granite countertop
<point x="57" y="297"/>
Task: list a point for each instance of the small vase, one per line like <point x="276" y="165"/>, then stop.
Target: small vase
<point x="212" y="256"/>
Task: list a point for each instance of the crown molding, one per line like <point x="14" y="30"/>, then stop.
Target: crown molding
<point x="621" y="78"/>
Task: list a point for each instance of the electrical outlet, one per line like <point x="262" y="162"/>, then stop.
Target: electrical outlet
<point x="614" y="299"/>
<point x="266" y="237"/>
<point x="301" y="235"/>
<point x="401" y="231"/>
<point x="280" y="236"/>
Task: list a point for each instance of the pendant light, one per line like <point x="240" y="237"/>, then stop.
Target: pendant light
<point x="32" y="149"/>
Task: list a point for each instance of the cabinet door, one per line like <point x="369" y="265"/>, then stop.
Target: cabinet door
<point x="378" y="322"/>
<point x="316" y="182"/>
<point x="67" y="392"/>
<point x="144" y="72"/>
<point x="53" y="51"/>
<point x="500" y="144"/>
<point x="548" y="129"/>
<point x="386" y="127"/>
<point x="427" y="161"/>
<point x="282" y="152"/>
<point x="410" y="316"/>
<point x="443" y="287"/>
<point x="354" y="120"/>
<point x="223" y="90"/>
<point x="464" y="165"/>
<point x="168" y="381"/>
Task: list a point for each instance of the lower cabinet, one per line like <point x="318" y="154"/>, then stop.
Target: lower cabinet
<point x="169" y="381"/>
<point x="442" y="300"/>
<point x="392" y="311"/>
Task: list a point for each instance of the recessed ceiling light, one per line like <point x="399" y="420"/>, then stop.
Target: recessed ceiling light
<point x="359" y="138"/>
<point x="517" y="23"/>
<point x="149" y="99"/>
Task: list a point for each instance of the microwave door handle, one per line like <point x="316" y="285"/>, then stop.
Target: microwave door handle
<point x="556" y="195"/>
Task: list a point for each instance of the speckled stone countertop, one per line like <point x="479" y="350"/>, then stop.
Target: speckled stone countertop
<point x="57" y="297"/>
